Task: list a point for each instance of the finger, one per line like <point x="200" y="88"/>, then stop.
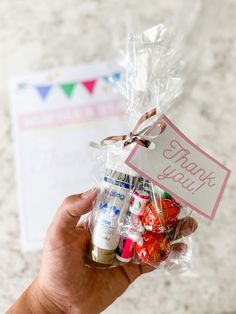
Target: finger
<point x="185" y="227"/>
<point x="133" y="271"/>
<point x="179" y="248"/>
<point x="72" y="209"/>
<point x="177" y="254"/>
<point x="147" y="269"/>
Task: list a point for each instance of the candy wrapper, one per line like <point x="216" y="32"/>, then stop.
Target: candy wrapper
<point x="132" y="219"/>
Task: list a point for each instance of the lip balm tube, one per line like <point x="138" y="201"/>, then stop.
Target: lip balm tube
<point x="125" y="250"/>
<point x="110" y="209"/>
<point x="139" y="201"/>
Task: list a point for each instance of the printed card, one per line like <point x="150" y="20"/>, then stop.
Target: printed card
<point x="181" y="168"/>
<point x="56" y="113"/>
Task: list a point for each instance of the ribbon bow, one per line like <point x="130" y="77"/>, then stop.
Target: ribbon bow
<point x="136" y="136"/>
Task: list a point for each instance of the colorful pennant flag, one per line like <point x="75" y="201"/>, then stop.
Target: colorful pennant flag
<point x="116" y="76"/>
<point x="89" y="85"/>
<point x="106" y="79"/>
<point x="43" y="90"/>
<point x="68" y="88"/>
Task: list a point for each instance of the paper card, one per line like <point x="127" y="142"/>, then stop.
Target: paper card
<point x="56" y="113"/>
<point x="181" y="168"/>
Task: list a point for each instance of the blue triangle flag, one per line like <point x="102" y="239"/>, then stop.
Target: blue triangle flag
<point x="43" y="90"/>
<point x="116" y="76"/>
<point x="106" y="79"/>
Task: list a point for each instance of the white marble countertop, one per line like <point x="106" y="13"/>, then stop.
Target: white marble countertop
<point x="36" y="35"/>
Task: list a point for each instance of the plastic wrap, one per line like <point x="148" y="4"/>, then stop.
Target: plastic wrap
<point x="133" y="220"/>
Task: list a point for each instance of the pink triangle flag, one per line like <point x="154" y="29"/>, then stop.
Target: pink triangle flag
<point x="89" y="85"/>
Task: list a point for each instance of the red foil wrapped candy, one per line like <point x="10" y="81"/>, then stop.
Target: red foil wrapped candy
<point x="163" y="220"/>
<point x="153" y="249"/>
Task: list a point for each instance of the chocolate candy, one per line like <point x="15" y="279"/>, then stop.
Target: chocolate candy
<point x="163" y="220"/>
<point x="154" y="249"/>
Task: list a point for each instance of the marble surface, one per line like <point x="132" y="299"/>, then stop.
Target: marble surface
<point x="36" y="35"/>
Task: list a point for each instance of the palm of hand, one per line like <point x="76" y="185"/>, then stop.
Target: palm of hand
<point x="70" y="283"/>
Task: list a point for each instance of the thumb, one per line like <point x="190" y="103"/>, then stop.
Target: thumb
<point x="72" y="208"/>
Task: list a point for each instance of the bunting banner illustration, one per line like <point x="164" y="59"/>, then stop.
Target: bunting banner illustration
<point x="68" y="88"/>
<point x="106" y="79"/>
<point x="89" y="85"/>
<point x="115" y="77"/>
<point x="43" y="90"/>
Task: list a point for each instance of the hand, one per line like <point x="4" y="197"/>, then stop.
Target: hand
<point x="65" y="284"/>
<point x="64" y="279"/>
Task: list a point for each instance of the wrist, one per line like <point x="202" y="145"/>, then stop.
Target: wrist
<point x="39" y="301"/>
<point x="35" y="300"/>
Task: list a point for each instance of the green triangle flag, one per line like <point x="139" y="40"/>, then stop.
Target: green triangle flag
<point x="68" y="88"/>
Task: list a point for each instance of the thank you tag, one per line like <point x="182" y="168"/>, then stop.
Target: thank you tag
<point x="181" y="168"/>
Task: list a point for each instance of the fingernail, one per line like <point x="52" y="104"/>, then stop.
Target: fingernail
<point x="88" y="193"/>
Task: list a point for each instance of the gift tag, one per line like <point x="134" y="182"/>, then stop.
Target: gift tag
<point x="181" y="168"/>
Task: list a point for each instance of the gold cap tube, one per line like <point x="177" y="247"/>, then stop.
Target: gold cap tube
<point x="102" y="256"/>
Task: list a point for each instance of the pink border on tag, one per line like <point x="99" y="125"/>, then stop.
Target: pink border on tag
<point x="228" y="172"/>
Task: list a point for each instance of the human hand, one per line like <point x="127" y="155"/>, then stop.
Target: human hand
<point x="64" y="279"/>
<point x="65" y="284"/>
